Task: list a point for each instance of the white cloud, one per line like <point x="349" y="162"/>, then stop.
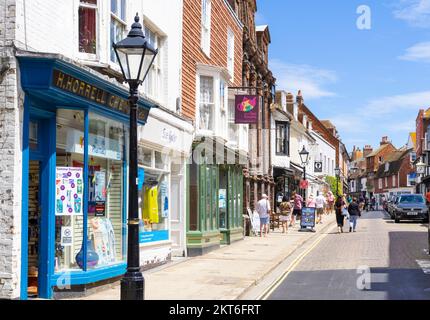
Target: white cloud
<point x="418" y="52"/>
<point x="311" y="80"/>
<point x="393" y="104"/>
<point x="415" y="12"/>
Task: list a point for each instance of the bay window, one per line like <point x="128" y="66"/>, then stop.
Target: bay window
<point x="233" y="128"/>
<point x="88" y="26"/>
<point x="207" y="103"/>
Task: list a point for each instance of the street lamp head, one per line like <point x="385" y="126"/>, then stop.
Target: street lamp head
<point x="135" y="54"/>
<point x="337" y="171"/>
<point x="304" y="156"/>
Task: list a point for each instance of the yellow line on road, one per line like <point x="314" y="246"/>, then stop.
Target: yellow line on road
<point x="266" y="294"/>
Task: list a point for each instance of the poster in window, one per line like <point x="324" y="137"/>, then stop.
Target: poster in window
<point x="247" y="109"/>
<point x="104" y="240"/>
<point x="69" y="186"/>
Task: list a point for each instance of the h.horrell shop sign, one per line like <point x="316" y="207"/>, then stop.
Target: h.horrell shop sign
<point x="94" y="94"/>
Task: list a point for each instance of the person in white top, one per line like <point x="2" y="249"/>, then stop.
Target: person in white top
<point x="320" y="203"/>
<point x="263" y="209"/>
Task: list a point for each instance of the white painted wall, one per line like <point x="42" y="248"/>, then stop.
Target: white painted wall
<point x="53" y="26"/>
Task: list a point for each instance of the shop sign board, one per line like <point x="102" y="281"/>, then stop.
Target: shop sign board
<point x="308" y="218"/>
<point x="153" y="236"/>
<point x="78" y="87"/>
<point x="69" y="194"/>
<point x="247" y="109"/>
<point x="318" y="168"/>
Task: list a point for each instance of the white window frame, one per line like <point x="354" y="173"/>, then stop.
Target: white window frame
<point x="380" y="183"/>
<point x="215" y="94"/>
<point x="119" y="20"/>
<point x="206" y="26"/>
<point x="85" y="55"/>
<point x="394" y="182"/>
<point x="386" y="182"/>
<point x="230" y="52"/>
<point x="154" y="90"/>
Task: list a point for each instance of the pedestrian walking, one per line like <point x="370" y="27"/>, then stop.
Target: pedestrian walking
<point x="330" y="201"/>
<point x="320" y="203"/>
<point x="285" y="217"/>
<point x="340" y="217"/>
<point x="297" y="208"/>
<point x="263" y="210"/>
<point x="311" y="202"/>
<point x="354" y="214"/>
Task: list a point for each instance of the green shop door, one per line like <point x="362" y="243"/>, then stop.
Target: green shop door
<point x="231" y="204"/>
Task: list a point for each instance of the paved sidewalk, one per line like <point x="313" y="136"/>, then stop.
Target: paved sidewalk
<point x="224" y="274"/>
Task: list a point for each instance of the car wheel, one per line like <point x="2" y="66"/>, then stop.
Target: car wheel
<point x="426" y="220"/>
<point x="397" y="220"/>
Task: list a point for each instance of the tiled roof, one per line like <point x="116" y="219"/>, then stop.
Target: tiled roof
<point x="374" y="153"/>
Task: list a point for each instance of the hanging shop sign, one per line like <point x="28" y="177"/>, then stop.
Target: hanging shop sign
<point x="318" y="168"/>
<point x="247" y="109"/>
<point x="304" y="184"/>
<point x="69" y="191"/>
<point x="73" y="85"/>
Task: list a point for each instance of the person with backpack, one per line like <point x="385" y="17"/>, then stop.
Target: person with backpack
<point x="263" y="210"/>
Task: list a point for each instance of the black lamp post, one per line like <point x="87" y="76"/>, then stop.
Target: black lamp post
<point x="304" y="157"/>
<point x="135" y="57"/>
<point x="337" y="171"/>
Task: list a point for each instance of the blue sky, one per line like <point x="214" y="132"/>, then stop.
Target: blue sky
<point x="370" y="83"/>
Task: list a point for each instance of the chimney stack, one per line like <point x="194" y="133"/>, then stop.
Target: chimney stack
<point x="299" y="98"/>
<point x="384" y="140"/>
<point x="367" y="150"/>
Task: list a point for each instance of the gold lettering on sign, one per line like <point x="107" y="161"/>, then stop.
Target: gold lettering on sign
<point x="69" y="84"/>
<point x="93" y="93"/>
<point x="88" y="91"/>
<point x="76" y="86"/>
<point x="82" y="89"/>
<point x="60" y="79"/>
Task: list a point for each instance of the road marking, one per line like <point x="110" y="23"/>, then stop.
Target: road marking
<point x="425" y="265"/>
<point x="269" y="291"/>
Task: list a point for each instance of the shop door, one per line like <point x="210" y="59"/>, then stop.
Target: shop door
<point x="34" y="210"/>
<point x="178" y="212"/>
<point x="38" y="173"/>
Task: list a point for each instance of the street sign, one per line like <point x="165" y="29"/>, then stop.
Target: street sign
<point x="318" y="168"/>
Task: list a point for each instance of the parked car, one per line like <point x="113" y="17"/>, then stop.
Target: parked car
<point x="390" y="206"/>
<point x="411" y="207"/>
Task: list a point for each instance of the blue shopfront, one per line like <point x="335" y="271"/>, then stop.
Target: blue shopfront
<point x="74" y="177"/>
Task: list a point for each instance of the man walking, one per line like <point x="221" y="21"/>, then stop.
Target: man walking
<point x="320" y="203"/>
<point x="263" y="210"/>
<point x="354" y="214"/>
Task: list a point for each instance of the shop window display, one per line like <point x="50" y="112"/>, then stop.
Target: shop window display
<point x="154" y="205"/>
<point x="106" y="148"/>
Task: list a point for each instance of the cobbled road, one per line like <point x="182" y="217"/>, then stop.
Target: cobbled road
<point x="338" y="267"/>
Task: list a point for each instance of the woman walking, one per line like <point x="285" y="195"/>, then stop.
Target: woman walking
<point x="285" y="217"/>
<point x="340" y="218"/>
<point x="354" y="213"/>
<point x="330" y="201"/>
<point x="298" y="205"/>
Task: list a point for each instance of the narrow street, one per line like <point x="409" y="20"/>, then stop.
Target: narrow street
<point x="391" y="251"/>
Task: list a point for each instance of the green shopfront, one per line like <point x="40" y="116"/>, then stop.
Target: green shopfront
<point x="74" y="177"/>
<point x="215" y="201"/>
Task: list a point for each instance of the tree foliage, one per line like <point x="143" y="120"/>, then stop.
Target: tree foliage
<point x="332" y="181"/>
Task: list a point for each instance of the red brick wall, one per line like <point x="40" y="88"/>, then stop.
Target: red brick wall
<point x="420" y="132"/>
<point x="222" y="19"/>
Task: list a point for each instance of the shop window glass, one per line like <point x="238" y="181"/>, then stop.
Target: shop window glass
<point x="207" y="104"/>
<point x="153" y="82"/>
<point x="88" y="26"/>
<point x="69" y="182"/>
<point x="117" y="25"/>
<point x="107" y="154"/>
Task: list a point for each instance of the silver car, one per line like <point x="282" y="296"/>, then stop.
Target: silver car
<point x="411" y="207"/>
